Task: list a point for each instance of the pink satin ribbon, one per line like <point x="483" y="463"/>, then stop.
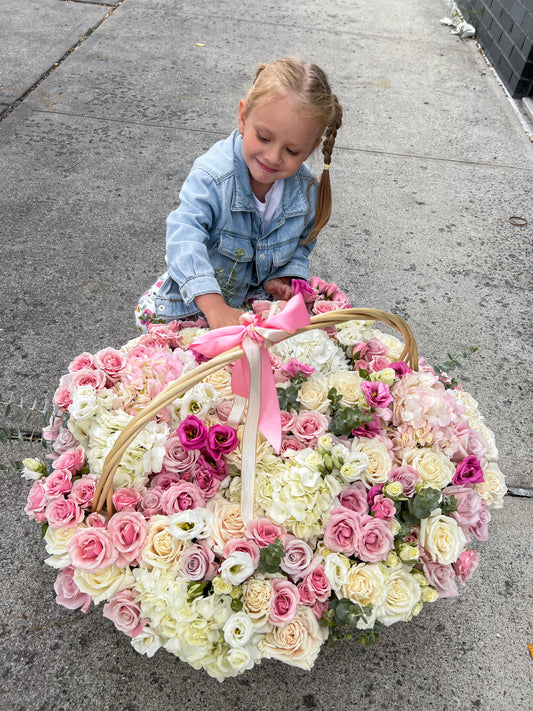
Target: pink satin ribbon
<point x="255" y="336"/>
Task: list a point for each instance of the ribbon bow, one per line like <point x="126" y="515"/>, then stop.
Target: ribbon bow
<point x="252" y="378"/>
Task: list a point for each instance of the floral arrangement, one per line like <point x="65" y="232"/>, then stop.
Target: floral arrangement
<point x="384" y="479"/>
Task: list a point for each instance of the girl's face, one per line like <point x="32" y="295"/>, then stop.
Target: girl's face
<point x="277" y="138"/>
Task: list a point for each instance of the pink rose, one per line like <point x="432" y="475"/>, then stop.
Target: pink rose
<point x="318" y="584"/>
<point x="125" y="613"/>
<point x="177" y="459"/>
<point x="480" y="529"/>
<point x="111" y="361"/>
<point x="466" y="564"/>
<point x="96" y="378"/>
<point x="165" y="479"/>
<point x="62" y="397"/>
<point x="245" y="546"/>
<point x="291" y="444"/>
<point x="407" y="476"/>
<point x="376" y="348"/>
<point x="469" y="506"/>
<point x="73" y="460"/>
<point x="182" y="496"/>
<point x="82" y="492"/>
<point x="58" y="482"/>
<point x="263" y="531"/>
<point x="383" y="508"/>
<point x="287" y="420"/>
<point x="376" y="539"/>
<point x="91" y="549"/>
<point x="83" y="360"/>
<point x="68" y="594"/>
<point x="150" y="503"/>
<point x="342" y="533"/>
<point x="62" y="512"/>
<point x="299" y="558"/>
<point x="309" y="426"/>
<point x="64" y="441"/>
<point x="295" y="367"/>
<point x="441" y="577"/>
<point x="354" y="498"/>
<point x="324" y="307"/>
<point x="37" y="500"/>
<point x="283" y="604"/>
<point x="96" y="520"/>
<point x="223" y="410"/>
<point x="126" y="498"/>
<point x="319" y="608"/>
<point x="379" y="363"/>
<point x="197" y="562"/>
<point x="467" y="442"/>
<point x="127" y="531"/>
<point x="207" y="481"/>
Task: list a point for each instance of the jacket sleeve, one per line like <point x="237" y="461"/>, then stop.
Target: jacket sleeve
<point x="188" y="235"/>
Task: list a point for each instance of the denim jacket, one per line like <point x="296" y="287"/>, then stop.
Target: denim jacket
<point x="215" y="236"/>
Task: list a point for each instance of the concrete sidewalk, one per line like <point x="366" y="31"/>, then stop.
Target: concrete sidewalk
<point x="428" y="168"/>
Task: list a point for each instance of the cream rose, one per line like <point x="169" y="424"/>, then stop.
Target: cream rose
<point x="402" y="595"/>
<point x="313" y="394"/>
<point x="226" y="522"/>
<point x="433" y="467"/>
<point x="348" y="384"/>
<point x="105" y="583"/>
<point x="221" y="381"/>
<point x="161" y="548"/>
<point x="379" y="460"/>
<point x="351" y="332"/>
<point x="296" y="643"/>
<point x="394" y="345"/>
<point x="493" y="489"/>
<point x="365" y="585"/>
<point x="442" y="538"/>
<point x="255" y="601"/>
<point x="56" y="545"/>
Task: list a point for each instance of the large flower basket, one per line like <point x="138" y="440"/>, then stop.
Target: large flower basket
<point x="313" y="481"/>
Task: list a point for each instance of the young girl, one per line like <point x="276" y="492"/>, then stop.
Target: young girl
<point x="250" y="209"/>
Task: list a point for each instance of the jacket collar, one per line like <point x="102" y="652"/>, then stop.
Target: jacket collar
<point x="294" y="194"/>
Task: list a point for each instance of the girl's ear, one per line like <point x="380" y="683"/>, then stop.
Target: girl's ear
<point x="242" y="119"/>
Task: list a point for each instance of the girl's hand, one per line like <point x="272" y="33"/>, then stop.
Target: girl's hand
<point x="217" y="312"/>
<point x="280" y="288"/>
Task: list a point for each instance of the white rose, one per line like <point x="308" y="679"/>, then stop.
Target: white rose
<point x="296" y="643"/>
<point x="351" y="332"/>
<point x="161" y="549"/>
<point x="256" y="601"/>
<point x="434" y="468"/>
<point x="488" y="436"/>
<point x="380" y="462"/>
<point x="56" y="545"/>
<point x="348" y="385"/>
<point x="336" y="569"/>
<point x="470" y="405"/>
<point x="394" y="345"/>
<point x="242" y="658"/>
<point x="402" y="595"/>
<point x="104" y="583"/>
<point x="493" y="489"/>
<point x="148" y="642"/>
<point x="386" y="375"/>
<point x="442" y="538"/>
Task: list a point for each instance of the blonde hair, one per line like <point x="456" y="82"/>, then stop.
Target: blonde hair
<point x="308" y="86"/>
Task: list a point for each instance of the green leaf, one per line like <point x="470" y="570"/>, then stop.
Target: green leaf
<point x="270" y="557"/>
<point x="44" y="529"/>
<point x="425" y="501"/>
<point x="236" y="605"/>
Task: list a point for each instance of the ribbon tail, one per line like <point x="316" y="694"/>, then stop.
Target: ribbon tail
<point x="270" y="417"/>
<point x="249" y="443"/>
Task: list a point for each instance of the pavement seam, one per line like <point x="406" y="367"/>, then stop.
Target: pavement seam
<point x="60" y="61"/>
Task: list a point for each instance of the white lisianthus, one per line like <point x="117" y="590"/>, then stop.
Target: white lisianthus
<point x="237" y="567"/>
<point x="242" y="658"/>
<point x="354" y="466"/>
<point x="238" y="629"/>
<point x="442" y="538"/>
<point x="402" y="596"/>
<point x="191" y="523"/>
<point x="33" y="469"/>
<point x="198" y="401"/>
<point x="148" y="642"/>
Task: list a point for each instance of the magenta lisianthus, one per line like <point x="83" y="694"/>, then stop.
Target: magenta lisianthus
<point x="221" y="439"/>
<point x="468" y="471"/>
<point x="373" y="492"/>
<point x="377" y="394"/>
<point x="192" y="433"/>
<point x="300" y="286"/>
<point x="369" y="429"/>
<point x="400" y="368"/>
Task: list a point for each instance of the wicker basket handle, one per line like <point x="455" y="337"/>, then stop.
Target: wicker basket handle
<point x="104" y="490"/>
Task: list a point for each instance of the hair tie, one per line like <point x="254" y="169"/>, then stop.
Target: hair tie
<point x="326" y="166"/>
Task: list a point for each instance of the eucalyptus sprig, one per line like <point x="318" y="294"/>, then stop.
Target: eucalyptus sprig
<point x="452" y="363"/>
